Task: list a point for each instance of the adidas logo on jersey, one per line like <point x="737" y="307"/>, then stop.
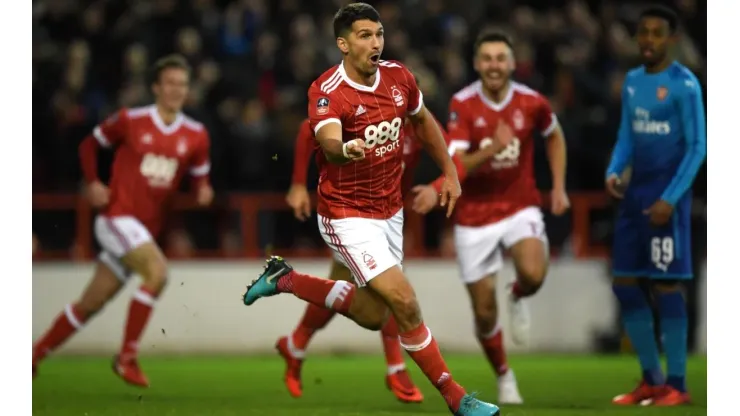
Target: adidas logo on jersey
<point x="480" y="122"/>
<point x="360" y="110"/>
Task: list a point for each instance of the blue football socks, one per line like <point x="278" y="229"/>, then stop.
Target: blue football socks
<point x="637" y="318"/>
<point x="674" y="328"/>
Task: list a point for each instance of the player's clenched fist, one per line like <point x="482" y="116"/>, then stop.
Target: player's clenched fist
<point x="354" y="149"/>
<point x="451" y="191"/>
<point x="98" y="194"/>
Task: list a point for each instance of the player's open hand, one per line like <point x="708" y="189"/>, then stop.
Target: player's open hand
<point x="98" y="194"/>
<point x="614" y="186"/>
<point x="354" y="149"/>
<point x="425" y="199"/>
<point x="299" y="201"/>
<point x="205" y="195"/>
<point x="559" y="202"/>
<point x="660" y="213"/>
<point x="504" y="133"/>
<point x="451" y="191"/>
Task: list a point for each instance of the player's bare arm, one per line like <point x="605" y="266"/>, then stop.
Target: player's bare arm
<point x="431" y="137"/>
<point x="557" y="156"/>
<point x="329" y="137"/>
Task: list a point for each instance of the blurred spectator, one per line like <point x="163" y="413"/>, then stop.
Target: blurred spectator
<point x="253" y="61"/>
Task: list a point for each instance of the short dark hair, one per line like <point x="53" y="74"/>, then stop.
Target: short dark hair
<point x="662" y="12"/>
<point x="349" y="14"/>
<point x="168" y="62"/>
<point x="486" y="37"/>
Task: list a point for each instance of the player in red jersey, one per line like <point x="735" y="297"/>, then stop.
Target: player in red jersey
<point x="155" y="147"/>
<point x="357" y="110"/>
<point x="293" y="347"/>
<point x="492" y="124"/>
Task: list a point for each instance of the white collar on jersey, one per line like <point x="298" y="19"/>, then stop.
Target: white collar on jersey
<point x="165" y="128"/>
<point x="494" y="105"/>
<point x="359" y="86"/>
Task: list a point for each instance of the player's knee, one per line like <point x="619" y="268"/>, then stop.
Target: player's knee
<point x="155" y="273"/>
<point x="531" y="276"/>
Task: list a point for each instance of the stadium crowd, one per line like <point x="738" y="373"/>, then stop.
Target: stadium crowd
<point x="253" y="61"/>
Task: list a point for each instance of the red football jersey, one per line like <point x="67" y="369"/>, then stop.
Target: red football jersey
<point x="370" y="188"/>
<point x="150" y="161"/>
<point x="305" y="145"/>
<point x="506" y="184"/>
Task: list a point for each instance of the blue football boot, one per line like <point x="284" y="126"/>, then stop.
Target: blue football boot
<point x="266" y="283"/>
<point x="470" y="406"/>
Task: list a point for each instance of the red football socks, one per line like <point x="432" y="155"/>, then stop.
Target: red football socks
<point x="334" y="295"/>
<point x="139" y="312"/>
<point x="67" y="323"/>
<point x="392" y="346"/>
<point x="423" y="348"/>
<point x="314" y="319"/>
<point x="493" y="346"/>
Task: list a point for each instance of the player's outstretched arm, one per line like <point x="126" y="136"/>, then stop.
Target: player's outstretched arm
<point x="430" y="135"/>
<point x="694" y="127"/>
<point x="329" y="137"/>
<point x="557" y="156"/>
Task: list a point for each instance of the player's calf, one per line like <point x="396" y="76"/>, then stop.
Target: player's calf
<point x="674" y="331"/>
<point x="103" y="286"/>
<point x="148" y="261"/>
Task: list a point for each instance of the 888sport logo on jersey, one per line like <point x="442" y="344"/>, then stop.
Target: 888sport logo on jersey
<point x="378" y="135"/>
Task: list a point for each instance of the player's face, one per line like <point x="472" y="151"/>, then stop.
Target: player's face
<point x="654" y="38"/>
<point x="172" y="88"/>
<point x="365" y="44"/>
<point x="494" y="63"/>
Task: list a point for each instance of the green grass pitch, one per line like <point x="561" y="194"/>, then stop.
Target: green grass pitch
<point x="343" y="385"/>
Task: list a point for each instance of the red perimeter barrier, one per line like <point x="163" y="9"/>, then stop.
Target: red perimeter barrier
<point x="248" y="205"/>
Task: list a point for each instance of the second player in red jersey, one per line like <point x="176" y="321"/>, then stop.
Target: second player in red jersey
<point x="357" y="111"/>
<point x="493" y="123"/>
<point x="293" y="347"/>
<point x="155" y="147"/>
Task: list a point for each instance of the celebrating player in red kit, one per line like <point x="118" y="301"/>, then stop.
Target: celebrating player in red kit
<point x="293" y="347"/>
<point x="155" y="147"/>
<point x="357" y="111"/>
<point x="492" y="124"/>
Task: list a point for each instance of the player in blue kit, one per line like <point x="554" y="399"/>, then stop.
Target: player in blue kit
<point x="662" y="137"/>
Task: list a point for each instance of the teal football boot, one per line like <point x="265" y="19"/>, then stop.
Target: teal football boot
<point x="266" y="283"/>
<point x="470" y="406"/>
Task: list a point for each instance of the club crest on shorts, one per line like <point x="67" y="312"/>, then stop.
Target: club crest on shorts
<point x="369" y="260"/>
<point x="662" y="93"/>
<point x="322" y="106"/>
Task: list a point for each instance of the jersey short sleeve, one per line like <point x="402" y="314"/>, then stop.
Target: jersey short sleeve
<point x="322" y="108"/>
<point x="546" y="120"/>
<point x="112" y="131"/>
<point x="416" y="98"/>
<point x="201" y="160"/>
<point x="458" y="126"/>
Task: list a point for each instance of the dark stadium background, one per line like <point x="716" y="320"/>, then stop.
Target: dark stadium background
<point x="253" y="61"/>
